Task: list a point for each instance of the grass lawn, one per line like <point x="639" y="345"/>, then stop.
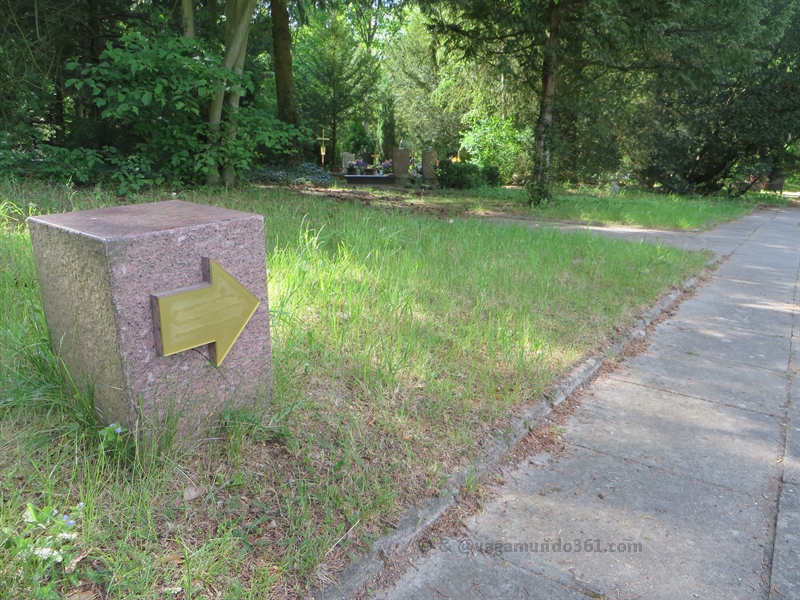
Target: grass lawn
<point x="401" y="343"/>
<point x="630" y="207"/>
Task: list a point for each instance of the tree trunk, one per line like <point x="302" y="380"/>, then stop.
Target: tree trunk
<point x="213" y="17"/>
<point x="95" y="31"/>
<point x="187" y="18"/>
<point x="228" y="171"/>
<point x="335" y="159"/>
<point x="539" y="185"/>
<point x="238" y="14"/>
<point x="282" y="47"/>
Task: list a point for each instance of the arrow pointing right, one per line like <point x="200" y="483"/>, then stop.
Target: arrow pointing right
<point x="214" y="313"/>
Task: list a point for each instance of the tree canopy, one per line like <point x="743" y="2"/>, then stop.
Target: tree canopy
<point x="683" y="96"/>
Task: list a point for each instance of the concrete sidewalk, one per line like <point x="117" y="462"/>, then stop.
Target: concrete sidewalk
<point x="682" y="472"/>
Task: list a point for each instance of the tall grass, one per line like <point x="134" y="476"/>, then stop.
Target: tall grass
<point x="401" y="344"/>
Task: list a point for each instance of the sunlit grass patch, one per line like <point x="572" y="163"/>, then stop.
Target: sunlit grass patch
<point x="629" y="207"/>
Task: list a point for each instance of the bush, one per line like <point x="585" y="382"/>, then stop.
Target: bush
<point x="81" y="165"/>
<point x="156" y="87"/>
<point x="492" y="176"/>
<point x="51" y="163"/>
<point x="460" y="175"/>
<point x="495" y="141"/>
<point x="305" y="174"/>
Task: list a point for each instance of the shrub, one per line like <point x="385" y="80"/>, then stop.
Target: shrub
<point x="492" y="176"/>
<point x="460" y="175"/>
<point x="495" y="141"/>
<point x="156" y="87"/>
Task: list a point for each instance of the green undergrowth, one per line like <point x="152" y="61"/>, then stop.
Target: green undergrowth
<point x="401" y="344"/>
<point x="629" y="207"/>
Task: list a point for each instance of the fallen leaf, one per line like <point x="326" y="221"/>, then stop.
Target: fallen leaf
<point x="190" y="492"/>
<point x="86" y="595"/>
<point x="172" y="559"/>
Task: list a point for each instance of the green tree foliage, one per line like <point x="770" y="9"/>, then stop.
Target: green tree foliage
<point x="335" y="74"/>
<point x="685" y="42"/>
<point x="493" y="141"/>
<point x="685" y="94"/>
<point x="168" y="80"/>
<point x="417" y="71"/>
<point x="37" y="39"/>
<point x="732" y="128"/>
<point x="139" y="92"/>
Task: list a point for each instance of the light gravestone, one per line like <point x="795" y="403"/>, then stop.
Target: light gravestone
<point x="160" y="309"/>
<point x="401" y="160"/>
<point x="429" y="165"/>
<point x="347" y="158"/>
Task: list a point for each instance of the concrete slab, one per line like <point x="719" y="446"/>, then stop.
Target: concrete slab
<point x="781" y="263"/>
<point x="779" y="290"/>
<point x="763" y="316"/>
<point x="680" y="538"/>
<point x="709" y="379"/>
<point x="758" y="273"/>
<point x="692" y="438"/>
<point x="785" y="582"/>
<point x="743" y="291"/>
<point x="457" y="574"/>
<point x="791" y="466"/>
<point x="724" y="343"/>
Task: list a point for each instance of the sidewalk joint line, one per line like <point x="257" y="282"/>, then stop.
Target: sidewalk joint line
<point x="717" y="402"/>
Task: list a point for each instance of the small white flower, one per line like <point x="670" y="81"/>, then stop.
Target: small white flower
<point x="48" y="553"/>
<point x="451" y="221"/>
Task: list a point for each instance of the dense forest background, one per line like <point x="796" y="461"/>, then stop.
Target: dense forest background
<point x="683" y="96"/>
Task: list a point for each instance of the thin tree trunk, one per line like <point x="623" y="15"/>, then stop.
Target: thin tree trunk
<point x="213" y="17"/>
<point x="58" y="112"/>
<point x="335" y="159"/>
<point x="282" y="47"/>
<point x="541" y="174"/>
<point x="187" y="18"/>
<point x="238" y="14"/>
<point x="95" y="31"/>
<point x="228" y="171"/>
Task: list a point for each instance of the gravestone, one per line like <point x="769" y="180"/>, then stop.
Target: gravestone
<point x="614" y="188"/>
<point x="429" y="165"/>
<point x="401" y="160"/>
<point x="366" y="157"/>
<point x="161" y="309"/>
<point x="347" y="158"/>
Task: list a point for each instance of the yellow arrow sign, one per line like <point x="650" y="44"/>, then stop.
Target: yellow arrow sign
<point x="214" y="313"/>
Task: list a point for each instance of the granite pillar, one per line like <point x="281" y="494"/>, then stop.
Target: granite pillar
<point x="97" y="270"/>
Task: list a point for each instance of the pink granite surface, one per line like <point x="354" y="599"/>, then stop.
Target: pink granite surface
<point x="138" y="250"/>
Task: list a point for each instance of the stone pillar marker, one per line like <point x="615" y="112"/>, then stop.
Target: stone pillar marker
<point x="103" y="275"/>
<point x="401" y="160"/>
<point x="347" y="157"/>
<point x="429" y="165"/>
